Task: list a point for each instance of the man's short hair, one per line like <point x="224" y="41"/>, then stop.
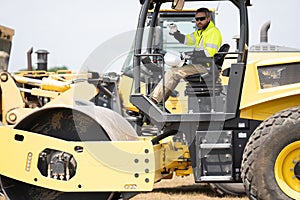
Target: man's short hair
<point x="205" y="10"/>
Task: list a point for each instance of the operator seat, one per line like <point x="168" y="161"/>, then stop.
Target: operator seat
<point x="202" y="84"/>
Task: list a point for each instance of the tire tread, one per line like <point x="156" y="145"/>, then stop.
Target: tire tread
<point x="256" y="144"/>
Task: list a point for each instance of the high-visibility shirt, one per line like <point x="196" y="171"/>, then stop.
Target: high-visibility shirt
<point x="209" y="40"/>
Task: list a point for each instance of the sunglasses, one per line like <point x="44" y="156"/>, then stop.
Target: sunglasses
<point x="200" y="18"/>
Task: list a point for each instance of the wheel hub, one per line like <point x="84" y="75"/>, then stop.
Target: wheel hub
<point x="287" y="170"/>
<point x="297" y="170"/>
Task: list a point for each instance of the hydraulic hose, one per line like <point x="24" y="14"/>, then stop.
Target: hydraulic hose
<point x="163" y="136"/>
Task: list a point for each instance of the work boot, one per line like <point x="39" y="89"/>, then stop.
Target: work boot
<point x="159" y="105"/>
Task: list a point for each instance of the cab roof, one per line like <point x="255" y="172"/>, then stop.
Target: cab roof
<point x="235" y="2"/>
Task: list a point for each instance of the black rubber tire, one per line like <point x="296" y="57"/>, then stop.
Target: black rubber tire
<point x="261" y="151"/>
<point x="63" y="127"/>
<point x="228" y="189"/>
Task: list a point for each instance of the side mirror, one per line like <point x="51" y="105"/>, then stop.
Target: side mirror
<point x="178" y="4"/>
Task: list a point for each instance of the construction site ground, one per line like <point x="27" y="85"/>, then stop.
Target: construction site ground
<point x="183" y="188"/>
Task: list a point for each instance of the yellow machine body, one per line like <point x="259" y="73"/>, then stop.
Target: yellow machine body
<point x="260" y="100"/>
<point x="135" y="162"/>
<point x="63" y="92"/>
<point x="125" y="160"/>
<point x="127" y="163"/>
<point x="137" y="165"/>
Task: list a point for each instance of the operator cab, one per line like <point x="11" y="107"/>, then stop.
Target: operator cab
<point x="199" y="87"/>
<point x="210" y="94"/>
<point x="209" y="103"/>
<point x="195" y="94"/>
<point x="204" y="110"/>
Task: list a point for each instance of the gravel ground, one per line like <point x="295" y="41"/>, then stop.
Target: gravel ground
<point x="182" y="189"/>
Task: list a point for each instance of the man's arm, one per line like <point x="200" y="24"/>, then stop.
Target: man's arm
<point x="179" y="36"/>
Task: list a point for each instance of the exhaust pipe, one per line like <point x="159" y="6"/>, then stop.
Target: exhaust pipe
<point x="264" y="32"/>
<point x="29" y="61"/>
<point x="42" y="59"/>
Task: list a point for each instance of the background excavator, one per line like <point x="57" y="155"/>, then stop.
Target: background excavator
<point x="65" y="135"/>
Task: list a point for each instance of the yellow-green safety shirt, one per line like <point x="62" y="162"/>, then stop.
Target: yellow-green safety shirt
<point x="209" y="40"/>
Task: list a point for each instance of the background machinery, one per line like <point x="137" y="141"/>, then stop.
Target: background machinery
<point x="66" y="136"/>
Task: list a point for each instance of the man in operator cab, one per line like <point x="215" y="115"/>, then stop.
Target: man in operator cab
<point x="206" y="39"/>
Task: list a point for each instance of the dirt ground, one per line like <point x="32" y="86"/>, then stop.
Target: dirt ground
<point x="182" y="189"/>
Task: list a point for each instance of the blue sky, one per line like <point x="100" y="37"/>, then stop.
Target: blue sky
<point x="72" y="29"/>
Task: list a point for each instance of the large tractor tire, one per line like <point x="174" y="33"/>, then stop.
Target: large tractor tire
<point x="228" y="189"/>
<point x="271" y="160"/>
<point x="71" y="125"/>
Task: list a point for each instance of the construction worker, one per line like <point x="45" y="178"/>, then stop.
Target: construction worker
<point x="206" y="39"/>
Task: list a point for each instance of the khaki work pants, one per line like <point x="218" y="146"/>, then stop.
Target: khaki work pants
<point x="172" y="78"/>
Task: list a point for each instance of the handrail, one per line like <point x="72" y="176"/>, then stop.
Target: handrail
<point x="162" y="71"/>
